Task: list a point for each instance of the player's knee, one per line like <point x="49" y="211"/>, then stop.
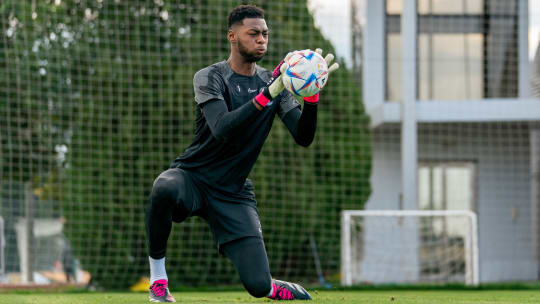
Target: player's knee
<point x="164" y="190"/>
<point x="258" y="286"/>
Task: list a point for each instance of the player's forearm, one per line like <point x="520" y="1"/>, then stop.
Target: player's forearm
<point x="302" y="124"/>
<point x="224" y="123"/>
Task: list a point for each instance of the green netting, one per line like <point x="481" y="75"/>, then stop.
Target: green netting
<point x="96" y="99"/>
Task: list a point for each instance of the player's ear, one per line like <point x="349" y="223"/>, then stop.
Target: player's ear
<point x="231" y="36"/>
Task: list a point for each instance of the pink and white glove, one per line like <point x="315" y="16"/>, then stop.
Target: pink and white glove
<point x="275" y="86"/>
<point x="331" y="68"/>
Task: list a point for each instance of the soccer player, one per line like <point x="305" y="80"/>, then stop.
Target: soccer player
<point x="236" y="105"/>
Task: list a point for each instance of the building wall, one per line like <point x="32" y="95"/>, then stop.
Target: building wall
<point x="503" y="182"/>
<point x="535" y="189"/>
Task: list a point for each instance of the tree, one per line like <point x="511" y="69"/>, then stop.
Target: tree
<point x="117" y="93"/>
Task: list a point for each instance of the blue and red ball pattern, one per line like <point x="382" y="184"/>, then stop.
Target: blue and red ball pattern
<point x="307" y="73"/>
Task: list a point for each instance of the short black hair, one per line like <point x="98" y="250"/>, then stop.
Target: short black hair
<point x="239" y="13"/>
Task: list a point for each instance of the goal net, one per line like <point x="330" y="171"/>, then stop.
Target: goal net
<point x="409" y="246"/>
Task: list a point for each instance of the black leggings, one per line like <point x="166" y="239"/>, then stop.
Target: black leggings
<point x="174" y="197"/>
<point x="251" y="262"/>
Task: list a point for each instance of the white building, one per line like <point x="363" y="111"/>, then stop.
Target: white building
<point x="455" y="123"/>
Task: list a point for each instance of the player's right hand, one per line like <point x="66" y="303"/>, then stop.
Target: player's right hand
<point x="275" y="86"/>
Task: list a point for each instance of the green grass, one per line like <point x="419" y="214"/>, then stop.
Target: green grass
<point x="337" y="297"/>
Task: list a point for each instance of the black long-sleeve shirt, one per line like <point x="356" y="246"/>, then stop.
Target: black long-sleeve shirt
<point x="224" y="123"/>
<point x="230" y="131"/>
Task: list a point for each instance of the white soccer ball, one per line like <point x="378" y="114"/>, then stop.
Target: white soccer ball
<point x="307" y="73"/>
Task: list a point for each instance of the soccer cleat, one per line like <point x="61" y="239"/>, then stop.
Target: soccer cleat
<point x="159" y="292"/>
<point x="288" y="291"/>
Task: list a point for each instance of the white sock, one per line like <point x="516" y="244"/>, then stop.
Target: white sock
<point x="157" y="270"/>
<point x="271" y="290"/>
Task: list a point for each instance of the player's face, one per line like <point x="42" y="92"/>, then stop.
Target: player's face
<point x="252" y="39"/>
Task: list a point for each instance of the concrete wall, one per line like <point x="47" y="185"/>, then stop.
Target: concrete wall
<point x="535" y="189"/>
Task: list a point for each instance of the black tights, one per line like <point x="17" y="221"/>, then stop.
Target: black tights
<point x="249" y="258"/>
<point x="174" y="197"/>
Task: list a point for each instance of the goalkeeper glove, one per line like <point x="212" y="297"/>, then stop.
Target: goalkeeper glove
<point x="275" y="86"/>
<point x="331" y="68"/>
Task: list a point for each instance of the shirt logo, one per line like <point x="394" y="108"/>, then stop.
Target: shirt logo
<point x="250" y="90"/>
<point x="238" y="87"/>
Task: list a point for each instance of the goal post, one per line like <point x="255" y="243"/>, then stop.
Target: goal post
<point x="409" y="246"/>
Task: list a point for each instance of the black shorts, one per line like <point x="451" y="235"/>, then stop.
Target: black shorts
<point x="229" y="217"/>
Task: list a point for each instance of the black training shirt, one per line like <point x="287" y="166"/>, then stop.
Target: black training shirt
<point x="230" y="131"/>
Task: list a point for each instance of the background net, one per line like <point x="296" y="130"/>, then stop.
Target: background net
<point x="96" y="99"/>
<point x="476" y="140"/>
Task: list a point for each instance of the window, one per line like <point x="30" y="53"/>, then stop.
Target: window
<point x="394" y="7"/>
<point x="446" y="186"/>
<point x="450" y="66"/>
<point x="394" y="67"/>
<point x="466" y="49"/>
<point x="443" y="7"/>
<point x="449" y="7"/>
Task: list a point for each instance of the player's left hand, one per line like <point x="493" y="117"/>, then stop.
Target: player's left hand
<point x="329" y="58"/>
<point x="331" y="68"/>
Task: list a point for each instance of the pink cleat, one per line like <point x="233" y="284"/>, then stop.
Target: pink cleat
<point x="160" y="293"/>
<point x="288" y="291"/>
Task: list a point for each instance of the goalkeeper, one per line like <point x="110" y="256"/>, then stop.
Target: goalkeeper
<point x="236" y="105"/>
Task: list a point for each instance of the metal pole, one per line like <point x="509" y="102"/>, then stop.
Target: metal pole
<point x="346" y="273"/>
<point x="29" y="233"/>
<point x="409" y="150"/>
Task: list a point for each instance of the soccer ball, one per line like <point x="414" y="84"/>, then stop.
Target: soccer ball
<point x="307" y="73"/>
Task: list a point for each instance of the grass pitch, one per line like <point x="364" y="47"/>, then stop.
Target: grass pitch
<point x="331" y="297"/>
